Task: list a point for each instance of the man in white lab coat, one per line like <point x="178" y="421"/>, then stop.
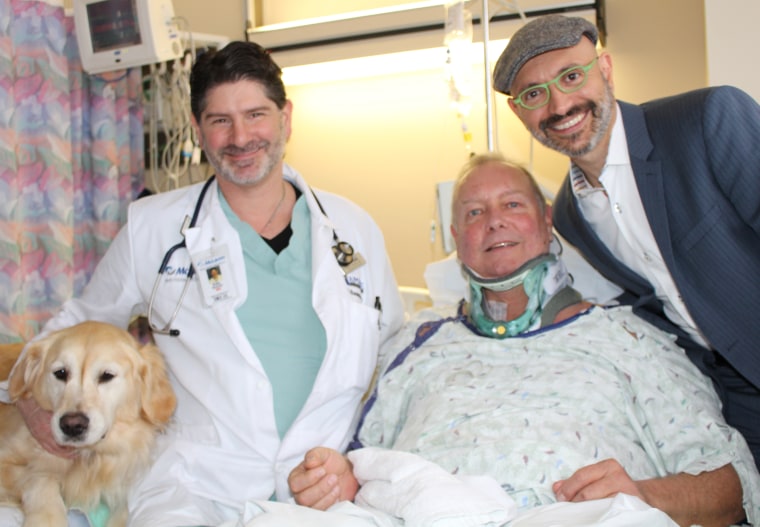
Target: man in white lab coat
<point x="275" y="356"/>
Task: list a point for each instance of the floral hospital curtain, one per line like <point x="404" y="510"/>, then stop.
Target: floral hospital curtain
<point x="71" y="158"/>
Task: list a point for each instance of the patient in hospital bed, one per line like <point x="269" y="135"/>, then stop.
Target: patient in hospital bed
<point x="533" y="391"/>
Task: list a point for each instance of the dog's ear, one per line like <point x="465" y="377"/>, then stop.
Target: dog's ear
<point x="157" y="397"/>
<point x="27" y="370"/>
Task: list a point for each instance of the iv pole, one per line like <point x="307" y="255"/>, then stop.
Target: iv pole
<point x="485" y="20"/>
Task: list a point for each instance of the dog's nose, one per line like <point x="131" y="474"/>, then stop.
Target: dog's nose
<point x="74" y="424"/>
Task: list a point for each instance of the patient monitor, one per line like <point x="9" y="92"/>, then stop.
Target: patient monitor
<point x="118" y="34"/>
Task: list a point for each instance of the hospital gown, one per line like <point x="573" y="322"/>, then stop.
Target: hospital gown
<point x="533" y="409"/>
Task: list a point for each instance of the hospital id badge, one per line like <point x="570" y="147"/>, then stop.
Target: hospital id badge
<point x="215" y="275"/>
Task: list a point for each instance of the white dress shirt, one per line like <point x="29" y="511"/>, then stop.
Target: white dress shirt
<point x="616" y="214"/>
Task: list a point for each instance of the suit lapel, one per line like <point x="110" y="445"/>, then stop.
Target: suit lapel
<point x="649" y="178"/>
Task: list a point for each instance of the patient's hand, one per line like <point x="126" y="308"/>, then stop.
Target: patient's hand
<point x="711" y="498"/>
<point x="38" y="422"/>
<point x="600" y="480"/>
<point x="322" y="479"/>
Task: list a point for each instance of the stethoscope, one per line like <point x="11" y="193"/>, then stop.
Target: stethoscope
<point x="343" y="252"/>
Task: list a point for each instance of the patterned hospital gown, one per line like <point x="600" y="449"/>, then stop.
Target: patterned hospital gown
<point x="533" y="409"/>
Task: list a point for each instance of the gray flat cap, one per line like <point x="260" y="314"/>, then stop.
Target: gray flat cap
<point x="538" y="36"/>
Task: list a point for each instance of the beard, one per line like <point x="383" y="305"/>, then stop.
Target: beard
<point x="250" y="174"/>
<point x="601" y="117"/>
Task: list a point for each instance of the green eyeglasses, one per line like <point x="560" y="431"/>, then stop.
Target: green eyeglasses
<point x="570" y="80"/>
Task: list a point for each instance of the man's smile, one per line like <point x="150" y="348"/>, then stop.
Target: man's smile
<point x="500" y="245"/>
<point x="569" y="124"/>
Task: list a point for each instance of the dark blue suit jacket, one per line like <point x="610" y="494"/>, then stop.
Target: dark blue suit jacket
<point x="696" y="160"/>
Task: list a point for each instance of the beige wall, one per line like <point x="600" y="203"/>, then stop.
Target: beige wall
<point x="385" y="142"/>
<point x="228" y="15"/>
<point x="215" y="17"/>
<point x="731" y="39"/>
<point x="276" y="11"/>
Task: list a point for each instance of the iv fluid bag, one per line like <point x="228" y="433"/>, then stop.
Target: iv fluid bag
<point x="458" y="41"/>
<point x="458" y="22"/>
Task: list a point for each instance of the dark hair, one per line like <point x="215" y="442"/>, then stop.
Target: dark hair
<point x="234" y="62"/>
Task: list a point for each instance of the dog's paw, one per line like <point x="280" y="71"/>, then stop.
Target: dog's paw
<point x="42" y="504"/>
<point x="47" y="518"/>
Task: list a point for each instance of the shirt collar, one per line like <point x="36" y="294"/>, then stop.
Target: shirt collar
<point x="617" y="154"/>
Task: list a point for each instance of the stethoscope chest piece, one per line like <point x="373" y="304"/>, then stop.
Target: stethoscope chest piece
<point x="344" y="253"/>
<point x="348" y="259"/>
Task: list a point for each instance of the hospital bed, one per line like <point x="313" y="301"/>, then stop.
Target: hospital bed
<point x="415" y="298"/>
<point x="398" y="485"/>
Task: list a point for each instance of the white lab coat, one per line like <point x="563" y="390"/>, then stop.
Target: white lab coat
<point x="223" y="447"/>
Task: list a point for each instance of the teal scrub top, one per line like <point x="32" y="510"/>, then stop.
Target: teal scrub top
<point x="277" y="316"/>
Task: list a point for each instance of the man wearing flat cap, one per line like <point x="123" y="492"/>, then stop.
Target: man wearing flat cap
<point x="662" y="198"/>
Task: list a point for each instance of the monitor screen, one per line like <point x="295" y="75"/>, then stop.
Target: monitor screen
<point x="113" y="24"/>
<point x="118" y="34"/>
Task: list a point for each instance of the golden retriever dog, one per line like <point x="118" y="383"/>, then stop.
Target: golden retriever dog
<point x="109" y="398"/>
